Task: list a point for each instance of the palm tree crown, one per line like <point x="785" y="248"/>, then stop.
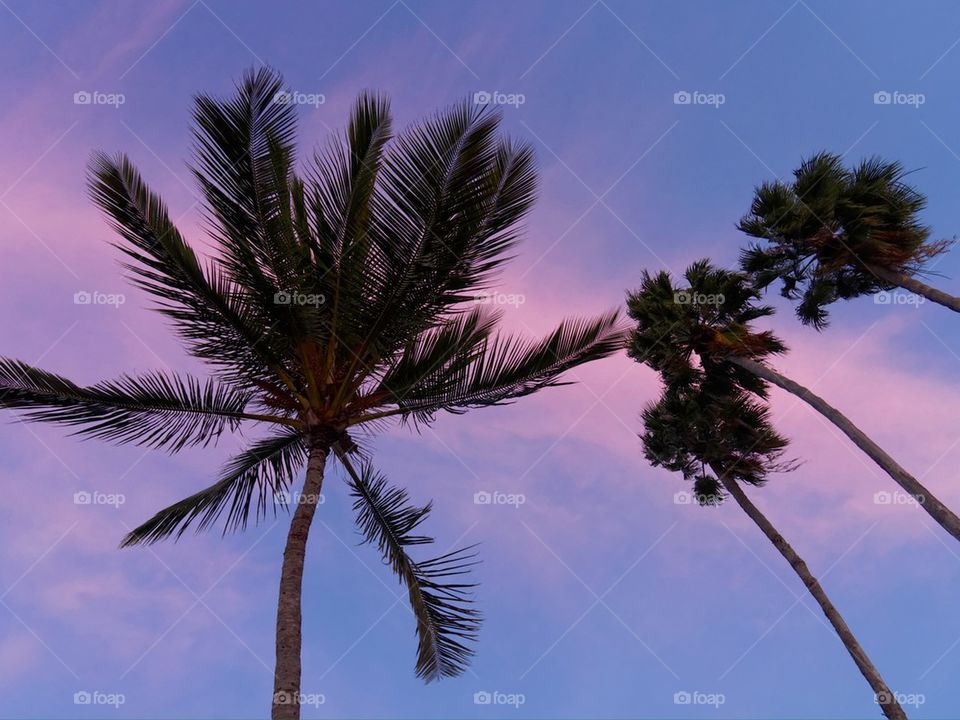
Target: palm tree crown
<point x="685" y="332"/>
<point x="700" y="433"/>
<point x="339" y="296"/>
<point x="836" y="233"/>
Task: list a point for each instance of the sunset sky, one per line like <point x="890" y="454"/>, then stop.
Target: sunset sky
<point x="602" y="595"/>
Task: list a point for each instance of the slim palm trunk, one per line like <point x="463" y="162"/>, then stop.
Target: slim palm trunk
<point x="936" y="509"/>
<point x="908" y="282"/>
<point x="286" y="684"/>
<point x="886" y="699"/>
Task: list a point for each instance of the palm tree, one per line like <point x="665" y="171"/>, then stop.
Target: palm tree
<point x="716" y="436"/>
<point x="707" y="325"/>
<point x="337" y="300"/>
<point x="836" y="233"/>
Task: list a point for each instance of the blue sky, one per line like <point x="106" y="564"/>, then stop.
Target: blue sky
<point x="602" y="596"/>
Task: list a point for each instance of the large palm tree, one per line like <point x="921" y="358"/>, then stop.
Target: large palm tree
<point x="338" y="298"/>
<point x="716" y="436"/>
<point x="836" y="233"/>
<point x="708" y="324"/>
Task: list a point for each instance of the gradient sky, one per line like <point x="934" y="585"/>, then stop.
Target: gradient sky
<point x="602" y="596"/>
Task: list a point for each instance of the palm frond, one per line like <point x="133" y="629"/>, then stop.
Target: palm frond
<point x="267" y="468"/>
<point x="244" y="150"/>
<point x="156" y="409"/>
<point x="505" y="368"/>
<point x="207" y="311"/>
<point x="339" y="206"/>
<point x="451" y="193"/>
<point x="439" y="600"/>
<point x="437" y="357"/>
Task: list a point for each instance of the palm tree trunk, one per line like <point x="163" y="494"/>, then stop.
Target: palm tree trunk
<point x="286" y="684"/>
<point x="885" y="698"/>
<point x="908" y="282"/>
<point x="936" y="509"/>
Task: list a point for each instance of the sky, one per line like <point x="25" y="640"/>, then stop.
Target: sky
<point x="604" y="594"/>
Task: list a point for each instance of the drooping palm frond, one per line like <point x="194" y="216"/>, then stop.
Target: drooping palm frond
<point x="267" y="468"/>
<point x="503" y="368"/>
<point x="440" y="602"/>
<point x="157" y="410"/>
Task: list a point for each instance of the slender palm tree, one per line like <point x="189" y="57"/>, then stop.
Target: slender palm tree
<point x="707" y="325"/>
<point x="716" y="436"/>
<point x="336" y="300"/>
<point x="836" y="233"/>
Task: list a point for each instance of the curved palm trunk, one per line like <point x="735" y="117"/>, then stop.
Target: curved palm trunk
<point x="908" y="282"/>
<point x="885" y="698"/>
<point x="936" y="509"/>
<point x="286" y="684"/>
